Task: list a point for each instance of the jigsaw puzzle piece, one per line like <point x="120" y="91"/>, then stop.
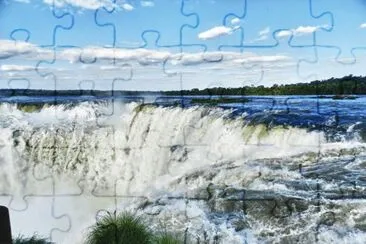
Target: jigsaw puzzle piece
<point x="182" y="65"/>
<point x="25" y="59"/>
<point x="127" y="33"/>
<point x="147" y="64"/>
<point x="230" y="71"/>
<point x="38" y="207"/>
<point x="299" y="27"/>
<point x="100" y="74"/>
<point x="345" y="33"/>
<point x="279" y="63"/>
<point x="311" y="118"/>
<point x="47" y="161"/>
<point x="145" y="72"/>
<point x="23" y="177"/>
<point x="330" y="100"/>
<point x="186" y="140"/>
<point x="82" y="220"/>
<point x="82" y="158"/>
<point x="100" y="77"/>
<point x="194" y="133"/>
<point x="102" y="163"/>
<point x="147" y="67"/>
<point x="20" y="65"/>
<point x="108" y="176"/>
<point x="274" y="67"/>
<point x="324" y="65"/>
<point x="49" y="21"/>
<point x="83" y="22"/>
<point x="213" y="27"/>
<point x="23" y="62"/>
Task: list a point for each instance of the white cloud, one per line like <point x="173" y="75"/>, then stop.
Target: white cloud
<point x="139" y="55"/>
<point x="263" y="35"/>
<point x="216" y="32"/>
<point x="264" y="59"/>
<point x="284" y="33"/>
<point x="86" y="4"/>
<point x="26" y="51"/>
<point x="265" y="31"/>
<point x="127" y="7"/>
<point x="22" y="1"/>
<point x="305" y="30"/>
<point x="363" y="25"/>
<point x="235" y="21"/>
<point x="147" y="4"/>
<point x="151" y="57"/>
<point x="13" y="67"/>
<point x="9" y="48"/>
<point x="147" y="64"/>
<point x="299" y="31"/>
<point x="261" y="38"/>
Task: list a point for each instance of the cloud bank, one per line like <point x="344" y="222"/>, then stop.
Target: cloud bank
<point x="26" y="51"/>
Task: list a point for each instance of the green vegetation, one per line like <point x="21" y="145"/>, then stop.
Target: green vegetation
<point x="31" y="240"/>
<point x="122" y="228"/>
<point x="166" y="238"/>
<point x="126" y="228"/>
<point x="334" y="86"/>
<point x="218" y="100"/>
<point x="341" y="97"/>
<point x="30" y="108"/>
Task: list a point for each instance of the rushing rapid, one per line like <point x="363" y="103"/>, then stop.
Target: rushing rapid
<point x="267" y="171"/>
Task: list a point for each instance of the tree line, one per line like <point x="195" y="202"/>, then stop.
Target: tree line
<point x="347" y="85"/>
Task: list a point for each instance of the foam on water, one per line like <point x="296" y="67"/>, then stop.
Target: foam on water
<point x="97" y="154"/>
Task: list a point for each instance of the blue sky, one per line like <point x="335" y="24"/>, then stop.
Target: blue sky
<point x="175" y="44"/>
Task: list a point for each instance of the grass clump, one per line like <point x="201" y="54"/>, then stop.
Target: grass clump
<point x="31" y="240"/>
<point x="166" y="238"/>
<point x="124" y="228"/>
<point x="127" y="228"/>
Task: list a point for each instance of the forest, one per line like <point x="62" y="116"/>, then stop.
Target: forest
<point x="347" y="85"/>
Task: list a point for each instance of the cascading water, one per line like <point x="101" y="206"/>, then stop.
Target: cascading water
<point x="210" y="176"/>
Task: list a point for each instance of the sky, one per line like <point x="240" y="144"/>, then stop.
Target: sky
<point x="178" y="44"/>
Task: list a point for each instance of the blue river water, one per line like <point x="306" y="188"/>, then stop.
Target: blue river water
<point x="339" y="118"/>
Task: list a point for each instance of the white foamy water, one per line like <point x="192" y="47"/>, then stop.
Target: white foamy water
<point x="63" y="166"/>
